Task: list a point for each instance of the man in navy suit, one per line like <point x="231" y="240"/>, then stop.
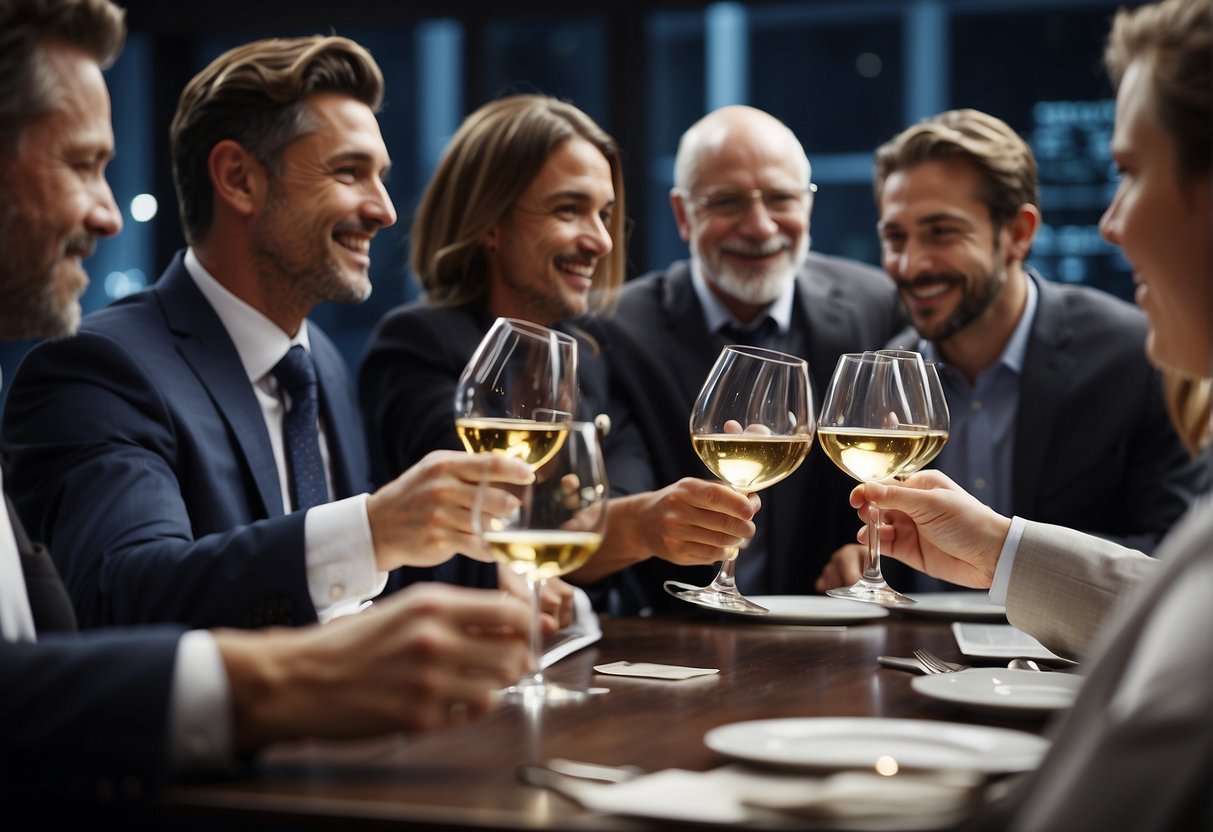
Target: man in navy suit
<point x="149" y="452"/>
<point x="103" y="718"/>
<point x="1056" y="414"/>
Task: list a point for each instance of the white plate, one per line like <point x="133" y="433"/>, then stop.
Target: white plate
<point x="1001" y="690"/>
<point x="970" y="606"/>
<point x="858" y="742"/>
<point x="815" y="609"/>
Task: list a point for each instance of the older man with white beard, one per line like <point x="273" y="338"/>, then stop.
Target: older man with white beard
<point x="742" y="200"/>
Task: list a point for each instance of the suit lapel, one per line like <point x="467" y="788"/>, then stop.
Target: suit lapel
<point x="684" y="318"/>
<point x="343" y="425"/>
<point x="1046" y="373"/>
<point x="205" y="346"/>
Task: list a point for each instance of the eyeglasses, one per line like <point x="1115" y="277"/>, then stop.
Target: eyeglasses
<point x="731" y="203"/>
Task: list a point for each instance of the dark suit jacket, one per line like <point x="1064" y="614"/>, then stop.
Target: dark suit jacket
<point x="83" y="717"/>
<point x="140" y="456"/>
<point x="1094" y="447"/>
<point x="406" y="386"/>
<point x="659" y="351"/>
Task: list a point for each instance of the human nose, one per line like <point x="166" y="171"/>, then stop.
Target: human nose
<point x="598" y="236"/>
<point x="1109" y="223"/>
<point x="378" y="206"/>
<point x="913" y="259"/>
<point x="756" y="218"/>
<point x="103" y="218"/>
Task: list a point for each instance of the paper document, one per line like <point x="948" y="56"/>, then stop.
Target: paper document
<point x="998" y="641"/>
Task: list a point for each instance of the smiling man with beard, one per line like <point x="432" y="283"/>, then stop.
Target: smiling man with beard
<point x="742" y="200"/>
<point x="164" y="454"/>
<point x="1055" y="413"/>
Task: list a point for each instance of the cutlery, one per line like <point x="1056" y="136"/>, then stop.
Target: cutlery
<point x="933" y="664"/>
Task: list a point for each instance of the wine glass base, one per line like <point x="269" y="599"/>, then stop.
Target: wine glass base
<point x="545" y="693"/>
<point x="880" y="593"/>
<point x="714" y="599"/>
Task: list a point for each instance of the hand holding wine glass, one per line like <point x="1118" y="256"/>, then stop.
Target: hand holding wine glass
<point x="547" y="528"/>
<point x="874" y="426"/>
<point x="752" y="425"/>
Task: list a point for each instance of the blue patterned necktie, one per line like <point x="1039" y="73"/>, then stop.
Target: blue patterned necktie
<point x="300" y="429"/>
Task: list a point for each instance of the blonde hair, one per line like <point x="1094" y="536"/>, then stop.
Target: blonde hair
<point x="255" y="94"/>
<point x="489" y="163"/>
<point x="1188" y="402"/>
<point x="1003" y="159"/>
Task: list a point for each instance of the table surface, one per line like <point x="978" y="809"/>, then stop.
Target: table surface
<point x="467" y="777"/>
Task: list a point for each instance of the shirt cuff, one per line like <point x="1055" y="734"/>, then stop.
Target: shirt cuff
<point x="200" y="712"/>
<point x="340" y="557"/>
<point x="1006" y="562"/>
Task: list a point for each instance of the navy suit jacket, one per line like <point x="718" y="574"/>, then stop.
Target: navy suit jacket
<point x="82" y="715"/>
<point x="658" y="351"/>
<point x="140" y="455"/>
<point x="1094" y="447"/>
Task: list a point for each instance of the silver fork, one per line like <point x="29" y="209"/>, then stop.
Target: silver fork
<point x="933" y="664"/>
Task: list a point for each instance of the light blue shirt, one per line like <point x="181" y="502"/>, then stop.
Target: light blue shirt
<point x="980" y="451"/>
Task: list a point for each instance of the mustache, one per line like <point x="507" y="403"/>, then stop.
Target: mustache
<point x="362" y="226"/>
<point x="776" y="244"/>
<point x="82" y="245"/>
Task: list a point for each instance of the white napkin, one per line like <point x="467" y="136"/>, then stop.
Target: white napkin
<point x="583" y="630"/>
<point x="734" y="794"/>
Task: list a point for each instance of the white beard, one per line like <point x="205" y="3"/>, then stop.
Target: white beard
<point x="757" y="288"/>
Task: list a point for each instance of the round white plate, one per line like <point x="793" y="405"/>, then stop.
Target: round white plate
<point x="1002" y="690"/>
<point x="815" y="609"/>
<point x="859" y="742"/>
<point x="955" y="606"/>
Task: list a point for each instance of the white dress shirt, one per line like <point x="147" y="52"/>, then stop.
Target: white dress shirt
<point x="339" y="553"/>
<point x="16" y="617"/>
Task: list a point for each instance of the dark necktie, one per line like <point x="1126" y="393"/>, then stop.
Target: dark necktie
<point x="757" y="336"/>
<point x="300" y="429"/>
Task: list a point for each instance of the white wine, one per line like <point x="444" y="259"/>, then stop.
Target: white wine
<point x="872" y="454"/>
<point x="751" y="462"/>
<point x="542" y="554"/>
<point x="936" y="439"/>
<point x="532" y="442"/>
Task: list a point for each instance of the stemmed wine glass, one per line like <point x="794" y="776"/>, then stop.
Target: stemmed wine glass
<point x="547" y="528"/>
<point x="874" y="426"/>
<point x="752" y="425"/>
<point x="938" y="418"/>
<point x="518" y="392"/>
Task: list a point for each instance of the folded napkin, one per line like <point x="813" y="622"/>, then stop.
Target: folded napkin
<point x="583" y="630"/>
<point x="739" y="794"/>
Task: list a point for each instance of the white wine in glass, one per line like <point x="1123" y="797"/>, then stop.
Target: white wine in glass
<point x="555" y="525"/>
<point x="874" y="426"/>
<point x="518" y="392"/>
<point x="938" y="417"/>
<point x="752" y="425"/>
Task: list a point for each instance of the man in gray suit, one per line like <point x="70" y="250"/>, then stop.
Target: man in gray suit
<point x="1056" y="414"/>
<point x="742" y="199"/>
<point x="1136" y="749"/>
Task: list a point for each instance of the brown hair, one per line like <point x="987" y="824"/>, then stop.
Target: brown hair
<point x="491" y="160"/>
<point x="256" y="94"/>
<point x="1175" y="38"/>
<point x="1001" y="156"/>
<point x="27" y="89"/>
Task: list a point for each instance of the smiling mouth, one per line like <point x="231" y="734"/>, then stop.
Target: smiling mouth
<point x="577" y="267"/>
<point x="926" y="289"/>
<point x="357" y="243"/>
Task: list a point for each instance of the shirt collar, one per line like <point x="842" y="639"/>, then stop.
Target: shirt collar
<point x="716" y="314"/>
<point x="1014" y="352"/>
<point x="259" y="342"/>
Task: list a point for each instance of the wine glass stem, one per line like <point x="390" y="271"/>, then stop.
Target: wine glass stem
<point x="536" y="587"/>
<point x="871" y="572"/>
<point x="724" y="580"/>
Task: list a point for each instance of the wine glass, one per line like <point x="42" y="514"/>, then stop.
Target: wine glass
<point x="938" y="419"/>
<point x="518" y="392"/>
<point x="752" y="425"/>
<point x="547" y="528"/>
<point x="874" y="425"/>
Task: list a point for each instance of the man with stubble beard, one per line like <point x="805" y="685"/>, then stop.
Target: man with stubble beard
<point x="1055" y="413"/>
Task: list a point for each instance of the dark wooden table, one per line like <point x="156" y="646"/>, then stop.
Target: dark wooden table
<point x="466" y="777"/>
